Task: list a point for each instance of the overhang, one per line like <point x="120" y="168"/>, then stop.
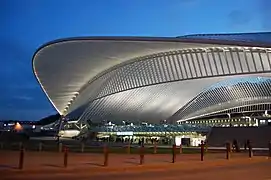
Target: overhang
<point x="66" y="67"/>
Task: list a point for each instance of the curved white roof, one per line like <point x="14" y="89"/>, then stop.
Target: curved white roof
<point x="72" y="71"/>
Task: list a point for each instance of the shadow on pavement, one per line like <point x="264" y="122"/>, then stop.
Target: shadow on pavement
<point x="132" y="158"/>
<point x="52" y="165"/>
<point x="95" y="164"/>
<point x="2" y="166"/>
<point x="131" y="162"/>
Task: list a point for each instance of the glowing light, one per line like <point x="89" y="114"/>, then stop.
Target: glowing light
<point x="18" y="127"/>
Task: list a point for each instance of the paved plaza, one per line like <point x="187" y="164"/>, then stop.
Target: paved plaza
<point x="44" y="165"/>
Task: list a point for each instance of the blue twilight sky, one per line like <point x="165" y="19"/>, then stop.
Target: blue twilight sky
<point x="27" y="24"/>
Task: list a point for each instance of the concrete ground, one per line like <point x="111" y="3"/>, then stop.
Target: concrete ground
<point x="45" y="165"/>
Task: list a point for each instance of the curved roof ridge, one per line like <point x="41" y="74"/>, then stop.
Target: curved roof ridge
<point x="227" y="34"/>
<point x="259" y="37"/>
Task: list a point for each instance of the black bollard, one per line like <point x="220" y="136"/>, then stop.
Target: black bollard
<point x="105" y="155"/>
<point x="228" y="150"/>
<point x="202" y="151"/>
<point x="21" y="159"/>
<point x="173" y="153"/>
<point x="65" y="157"/>
<point x="269" y="149"/>
<point x="141" y="155"/>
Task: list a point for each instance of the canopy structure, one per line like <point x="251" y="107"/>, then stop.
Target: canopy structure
<point x="151" y="79"/>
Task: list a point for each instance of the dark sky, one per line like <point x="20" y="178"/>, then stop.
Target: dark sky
<point x="27" y="24"/>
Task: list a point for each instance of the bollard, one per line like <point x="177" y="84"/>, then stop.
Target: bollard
<point x="228" y="150"/>
<point x="82" y="147"/>
<point x="40" y="146"/>
<point x="60" y="146"/>
<point x="181" y="149"/>
<point x="129" y="148"/>
<point x="21" y="159"/>
<point x="105" y="155"/>
<point x="173" y="153"/>
<point x="65" y="157"/>
<point x="269" y="149"/>
<point x="155" y="148"/>
<point x="141" y="155"/>
<point x="202" y="151"/>
<point x="250" y="154"/>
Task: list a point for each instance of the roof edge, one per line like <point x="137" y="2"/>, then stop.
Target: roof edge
<point x="182" y="39"/>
